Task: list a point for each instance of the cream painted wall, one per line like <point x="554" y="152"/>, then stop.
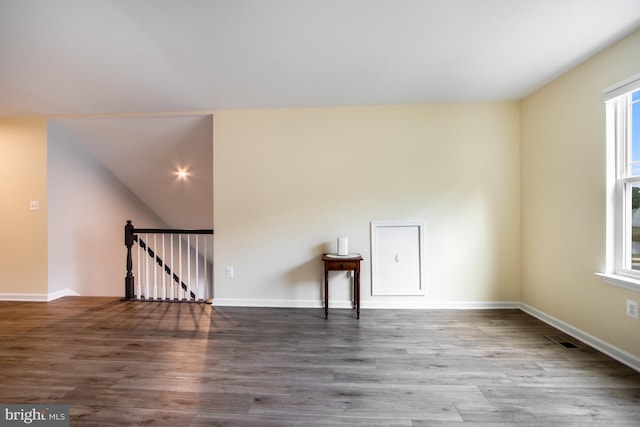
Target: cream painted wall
<point x="287" y="183"/>
<point x="23" y="178"/>
<point x="563" y="199"/>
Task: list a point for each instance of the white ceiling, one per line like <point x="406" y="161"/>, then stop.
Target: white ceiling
<point x="149" y="56"/>
<point x="122" y="58"/>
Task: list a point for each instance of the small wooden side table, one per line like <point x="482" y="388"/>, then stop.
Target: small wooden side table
<point x="349" y="262"/>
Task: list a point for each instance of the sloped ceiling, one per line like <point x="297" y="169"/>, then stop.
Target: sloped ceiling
<point x="146" y="153"/>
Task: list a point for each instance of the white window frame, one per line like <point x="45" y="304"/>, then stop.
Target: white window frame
<point x="620" y="180"/>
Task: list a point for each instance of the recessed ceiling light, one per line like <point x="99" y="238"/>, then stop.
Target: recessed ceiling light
<point x="182" y="173"/>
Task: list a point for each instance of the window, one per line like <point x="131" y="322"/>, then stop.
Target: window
<point x="623" y="140"/>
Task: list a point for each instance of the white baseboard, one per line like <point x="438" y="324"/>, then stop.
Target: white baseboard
<point x="38" y="297"/>
<point x="62" y="293"/>
<point x="612" y="351"/>
<point x="439" y="305"/>
<point x="25" y="297"/>
<point x="369" y="304"/>
<point x="277" y="303"/>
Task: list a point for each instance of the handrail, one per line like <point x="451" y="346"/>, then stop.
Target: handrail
<point x="130" y="236"/>
<point x="172" y="231"/>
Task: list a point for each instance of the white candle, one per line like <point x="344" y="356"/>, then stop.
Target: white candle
<point x="343" y="245"/>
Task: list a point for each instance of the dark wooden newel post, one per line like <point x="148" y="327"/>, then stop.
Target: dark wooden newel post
<point x="128" y="242"/>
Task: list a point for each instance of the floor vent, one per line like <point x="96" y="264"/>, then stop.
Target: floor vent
<point x="563" y="341"/>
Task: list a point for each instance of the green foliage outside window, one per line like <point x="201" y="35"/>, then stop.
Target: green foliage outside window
<point x="635" y="204"/>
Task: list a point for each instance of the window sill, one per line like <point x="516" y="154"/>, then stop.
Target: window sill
<point x="620" y="281"/>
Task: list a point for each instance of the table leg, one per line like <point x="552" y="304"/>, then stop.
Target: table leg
<point x="356" y="280"/>
<point x="326" y="294"/>
<point x="355" y="292"/>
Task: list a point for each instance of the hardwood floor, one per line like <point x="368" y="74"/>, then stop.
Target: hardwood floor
<point x="128" y="363"/>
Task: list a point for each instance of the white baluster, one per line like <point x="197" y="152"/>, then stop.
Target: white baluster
<point x="139" y="276"/>
<point x="206" y="267"/>
<point x="172" y="292"/>
<point x="155" y="267"/>
<point x="146" y="293"/>
<point x="188" y="266"/>
<point x="164" y="274"/>
<point x="180" y="267"/>
<point x="197" y="277"/>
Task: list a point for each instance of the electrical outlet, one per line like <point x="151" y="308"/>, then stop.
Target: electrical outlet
<point x="230" y="272"/>
<point x="632" y="308"/>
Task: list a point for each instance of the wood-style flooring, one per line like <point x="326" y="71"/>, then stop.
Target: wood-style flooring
<point x="122" y="363"/>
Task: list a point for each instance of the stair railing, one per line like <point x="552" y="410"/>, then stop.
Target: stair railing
<point x="183" y="246"/>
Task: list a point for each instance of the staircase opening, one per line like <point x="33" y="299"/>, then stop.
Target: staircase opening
<point x="170" y="264"/>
